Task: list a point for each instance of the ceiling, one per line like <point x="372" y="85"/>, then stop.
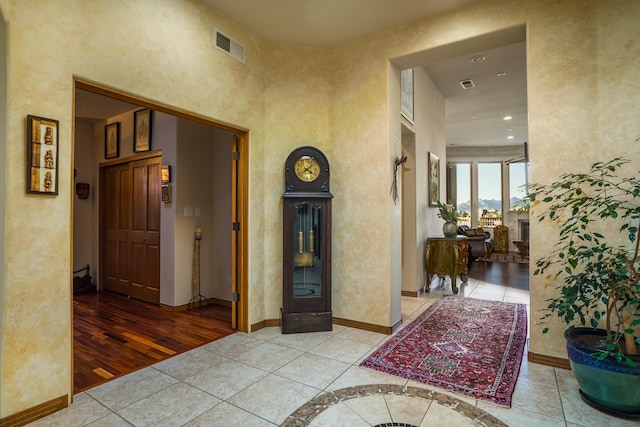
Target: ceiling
<point x="474" y="117"/>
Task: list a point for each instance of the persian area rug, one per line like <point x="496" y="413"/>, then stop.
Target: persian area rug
<point x="470" y="346"/>
<point x="506" y="257"/>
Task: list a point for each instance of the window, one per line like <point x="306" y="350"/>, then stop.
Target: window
<point x="489" y="194"/>
<point x="517" y="182"/>
<point x="463" y="192"/>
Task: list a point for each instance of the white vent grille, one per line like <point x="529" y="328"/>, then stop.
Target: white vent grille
<point x="229" y="45"/>
<point x="467" y="84"/>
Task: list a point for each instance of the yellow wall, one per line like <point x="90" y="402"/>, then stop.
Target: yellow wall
<point x="582" y="99"/>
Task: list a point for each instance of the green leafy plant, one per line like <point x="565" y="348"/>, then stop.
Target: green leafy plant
<point x="447" y="212"/>
<point x="595" y="272"/>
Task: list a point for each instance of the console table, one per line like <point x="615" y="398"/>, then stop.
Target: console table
<point x="447" y="257"/>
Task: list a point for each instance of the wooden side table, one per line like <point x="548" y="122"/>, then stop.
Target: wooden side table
<point x="447" y="257"/>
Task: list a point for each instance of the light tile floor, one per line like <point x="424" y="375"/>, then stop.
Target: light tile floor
<point x="260" y="379"/>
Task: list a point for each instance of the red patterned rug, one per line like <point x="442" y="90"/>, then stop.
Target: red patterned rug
<point x="466" y="345"/>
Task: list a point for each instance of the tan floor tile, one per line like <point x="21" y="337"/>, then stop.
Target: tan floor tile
<point x="361" y="336"/>
<point x="343" y="350"/>
<point x="303" y="342"/>
<point x="232" y="345"/>
<point x="441" y="416"/>
<point x="339" y="415"/>
<point x="537" y="397"/>
<point x="113" y="420"/>
<point x="228" y="416"/>
<point x="313" y="370"/>
<point x="173" y="406"/>
<point x="127" y="390"/>
<point x="357" y="375"/>
<point x="405" y="409"/>
<point x="373" y="409"/>
<point x="520" y="417"/>
<point x="273" y="398"/>
<point x="268" y="356"/>
<point x="188" y="364"/>
<point x="226" y="379"/>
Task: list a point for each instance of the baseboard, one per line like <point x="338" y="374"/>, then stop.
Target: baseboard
<point x="264" y="324"/>
<point x="185" y="307"/>
<point x="387" y="330"/>
<point x="556" y="362"/>
<point x="32" y="414"/>
<point x="409" y="293"/>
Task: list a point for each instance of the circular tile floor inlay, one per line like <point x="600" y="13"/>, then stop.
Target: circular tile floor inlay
<point x="394" y="425"/>
<point x="313" y="408"/>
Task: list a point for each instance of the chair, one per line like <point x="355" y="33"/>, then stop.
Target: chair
<point x="501" y="238"/>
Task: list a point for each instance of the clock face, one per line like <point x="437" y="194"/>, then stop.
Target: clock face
<point x="307" y="168"/>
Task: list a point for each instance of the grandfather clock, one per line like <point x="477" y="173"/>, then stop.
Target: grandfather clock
<point x="306" y="205"/>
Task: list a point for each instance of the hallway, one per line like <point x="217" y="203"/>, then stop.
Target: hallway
<point x="260" y="379"/>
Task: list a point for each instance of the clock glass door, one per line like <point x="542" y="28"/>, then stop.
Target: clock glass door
<point x="307" y="262"/>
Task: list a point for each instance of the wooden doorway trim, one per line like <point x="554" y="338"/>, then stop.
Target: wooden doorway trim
<point x="241" y="253"/>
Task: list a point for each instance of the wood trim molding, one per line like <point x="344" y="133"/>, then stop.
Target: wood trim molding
<point x="32" y="414"/>
<point x="542" y="359"/>
<point x="265" y="324"/>
<point x="387" y="330"/>
<point x="185" y="307"/>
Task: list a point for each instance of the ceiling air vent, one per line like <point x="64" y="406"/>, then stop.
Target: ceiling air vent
<point x="467" y="84"/>
<point x="229" y="46"/>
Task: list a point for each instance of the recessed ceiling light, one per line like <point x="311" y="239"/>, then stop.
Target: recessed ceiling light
<point x="478" y="58"/>
<point x="501" y="74"/>
<point x="507" y="118"/>
<point x="510" y="137"/>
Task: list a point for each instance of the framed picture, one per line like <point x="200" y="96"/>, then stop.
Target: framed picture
<point x="165" y="174"/>
<point x="112" y="140"/>
<point x="42" y="155"/>
<point x="434" y="179"/>
<point x="406" y="94"/>
<point x="142" y="126"/>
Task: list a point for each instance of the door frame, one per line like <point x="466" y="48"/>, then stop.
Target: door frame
<point x="241" y="189"/>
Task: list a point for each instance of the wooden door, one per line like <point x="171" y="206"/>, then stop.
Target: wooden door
<point x="131" y="229"/>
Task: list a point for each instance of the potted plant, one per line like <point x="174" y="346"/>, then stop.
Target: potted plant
<point x="594" y="266"/>
<point x="450" y="215"/>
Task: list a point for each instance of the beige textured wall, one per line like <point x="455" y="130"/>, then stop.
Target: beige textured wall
<point x="160" y="50"/>
<point x="582" y="91"/>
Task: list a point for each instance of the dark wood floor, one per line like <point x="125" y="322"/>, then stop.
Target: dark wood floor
<point x="114" y="335"/>
<point x="511" y="274"/>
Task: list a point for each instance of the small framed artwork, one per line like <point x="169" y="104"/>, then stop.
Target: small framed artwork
<point x="142" y="126"/>
<point x="165" y="174"/>
<point x="112" y="140"/>
<point x="434" y="179"/>
<point x="406" y="94"/>
<point x="166" y="193"/>
<point x="42" y="155"/>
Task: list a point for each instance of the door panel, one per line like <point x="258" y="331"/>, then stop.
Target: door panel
<point x="131" y="229"/>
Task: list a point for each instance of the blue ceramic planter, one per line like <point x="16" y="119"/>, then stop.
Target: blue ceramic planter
<point x="608" y="385"/>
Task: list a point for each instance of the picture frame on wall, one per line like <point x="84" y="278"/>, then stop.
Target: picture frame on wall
<point x="112" y="141"/>
<point x="406" y="94"/>
<point x="142" y="129"/>
<point x="42" y="155"/>
<point x="434" y="179"/>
